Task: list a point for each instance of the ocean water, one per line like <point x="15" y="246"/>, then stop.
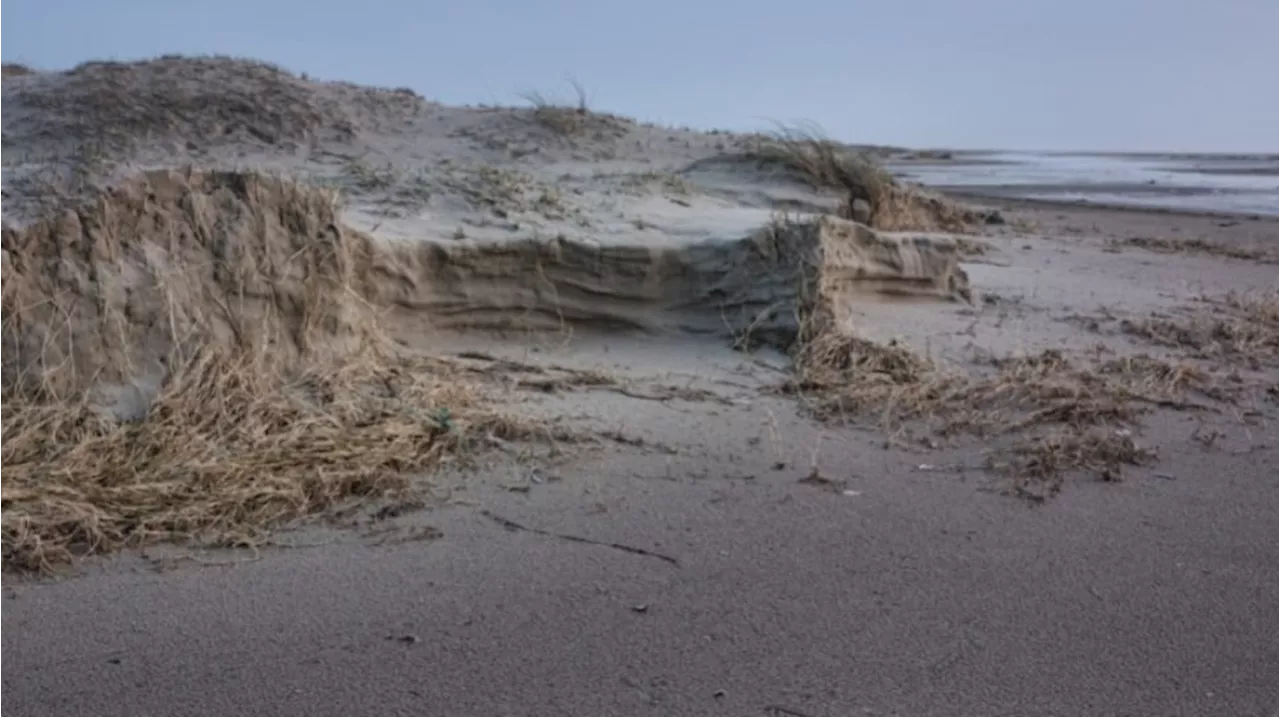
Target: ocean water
<point x="1218" y="183"/>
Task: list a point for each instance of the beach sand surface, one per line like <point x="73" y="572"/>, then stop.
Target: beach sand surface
<point x="719" y="551"/>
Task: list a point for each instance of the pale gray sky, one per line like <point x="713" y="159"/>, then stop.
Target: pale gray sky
<point x="1184" y="75"/>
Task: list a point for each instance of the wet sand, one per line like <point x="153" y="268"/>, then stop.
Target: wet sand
<point x="1238" y="185"/>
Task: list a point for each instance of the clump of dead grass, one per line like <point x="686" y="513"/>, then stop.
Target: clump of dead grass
<point x="1152" y="377"/>
<point x="854" y="375"/>
<point x="227" y="449"/>
<point x="825" y="163"/>
<point x="175" y="260"/>
<point x="806" y="152"/>
<point x="560" y="118"/>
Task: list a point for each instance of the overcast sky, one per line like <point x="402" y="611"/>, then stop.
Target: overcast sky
<point x="1180" y="75"/>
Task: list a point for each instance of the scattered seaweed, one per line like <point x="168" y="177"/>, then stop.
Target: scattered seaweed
<point x="1238" y="327"/>
<point x="1194" y="245"/>
<point x="1038" y="465"/>
<point x="1067" y="417"/>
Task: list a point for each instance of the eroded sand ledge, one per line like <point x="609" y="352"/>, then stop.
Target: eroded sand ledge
<point x="172" y="259"/>
<point x="761" y="280"/>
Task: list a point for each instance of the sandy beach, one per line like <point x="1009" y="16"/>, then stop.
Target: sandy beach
<point x="1039" y="481"/>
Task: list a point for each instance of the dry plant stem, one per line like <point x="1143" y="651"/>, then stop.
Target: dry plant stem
<point x="513" y="526"/>
<point x="562" y="119"/>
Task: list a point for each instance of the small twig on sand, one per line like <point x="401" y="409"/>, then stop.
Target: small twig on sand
<point x="1175" y="405"/>
<point x="780" y="711"/>
<point x="514" y="526"/>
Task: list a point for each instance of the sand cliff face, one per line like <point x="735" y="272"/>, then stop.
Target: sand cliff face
<point x="162" y="265"/>
<point x="174" y="260"/>
<point x="732" y="284"/>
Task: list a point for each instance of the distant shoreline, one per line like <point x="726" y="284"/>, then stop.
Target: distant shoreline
<point x="1006" y="201"/>
<point x="1226" y="185"/>
<point x="961" y="154"/>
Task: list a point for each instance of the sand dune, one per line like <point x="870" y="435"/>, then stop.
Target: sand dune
<point x="378" y="196"/>
<point x="174" y="260"/>
<point x="182" y="208"/>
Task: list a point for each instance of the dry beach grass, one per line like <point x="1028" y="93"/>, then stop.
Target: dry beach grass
<point x="804" y="150"/>
<point x="227" y="449"/>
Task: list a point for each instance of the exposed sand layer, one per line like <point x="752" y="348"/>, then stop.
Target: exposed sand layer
<point x="172" y="261"/>
<point x="763" y="284"/>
